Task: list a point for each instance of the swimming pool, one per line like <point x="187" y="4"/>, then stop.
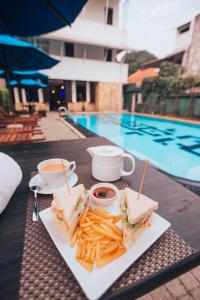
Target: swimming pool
<point x="172" y="146"/>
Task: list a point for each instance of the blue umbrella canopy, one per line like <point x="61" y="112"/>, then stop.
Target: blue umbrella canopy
<point x="22" y="56"/>
<point x="27" y="83"/>
<point x="17" y="55"/>
<point x="31" y="18"/>
<point x="28" y="74"/>
<point x="13" y="83"/>
<point x="24" y="75"/>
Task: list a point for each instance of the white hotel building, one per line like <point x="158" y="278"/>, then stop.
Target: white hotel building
<point x="88" y="70"/>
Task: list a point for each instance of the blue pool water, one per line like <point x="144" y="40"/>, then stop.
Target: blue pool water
<point x="172" y="146"/>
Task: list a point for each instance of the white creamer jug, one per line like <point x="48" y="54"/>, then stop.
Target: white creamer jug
<point x="107" y="163"/>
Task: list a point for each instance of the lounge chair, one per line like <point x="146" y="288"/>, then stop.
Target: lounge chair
<point x="18" y="138"/>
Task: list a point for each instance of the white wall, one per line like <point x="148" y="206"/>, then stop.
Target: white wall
<point x="92" y="33"/>
<point x="88" y="70"/>
<point x="183" y="40"/>
<point x="94" y="10"/>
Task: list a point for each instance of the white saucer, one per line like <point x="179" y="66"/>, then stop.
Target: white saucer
<point x="45" y="189"/>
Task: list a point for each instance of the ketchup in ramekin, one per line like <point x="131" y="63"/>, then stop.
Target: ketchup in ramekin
<point x="104" y="192"/>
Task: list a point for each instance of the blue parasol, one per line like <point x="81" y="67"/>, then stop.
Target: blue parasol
<point x="17" y="55"/>
<point x="24" y="75"/>
<point x="22" y="56"/>
<point x="28" y="83"/>
<point x="36" y="17"/>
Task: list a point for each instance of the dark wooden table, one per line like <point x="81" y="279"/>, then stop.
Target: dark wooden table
<point x="178" y="205"/>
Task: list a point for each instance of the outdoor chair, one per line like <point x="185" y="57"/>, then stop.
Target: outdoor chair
<point x="23" y="129"/>
<point x="18" y="138"/>
<point x="18" y="120"/>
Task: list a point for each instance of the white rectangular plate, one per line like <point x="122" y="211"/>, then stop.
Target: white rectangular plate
<point x="95" y="283"/>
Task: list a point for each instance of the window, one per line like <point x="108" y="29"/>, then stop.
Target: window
<point x="43" y="44"/>
<point x="55" y="47"/>
<point x="184" y="28"/>
<point x="69" y="49"/>
<point x="81" y="90"/>
<point x="92" y="92"/>
<point x="109" y="20"/>
<point x="32" y="95"/>
<point x="108" y="54"/>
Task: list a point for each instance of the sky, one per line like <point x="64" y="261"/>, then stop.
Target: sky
<point x="151" y="24"/>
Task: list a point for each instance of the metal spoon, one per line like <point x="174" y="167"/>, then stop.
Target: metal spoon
<point x="35" y="216"/>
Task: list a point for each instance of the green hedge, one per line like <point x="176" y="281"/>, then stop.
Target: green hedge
<point x="5" y="100"/>
<point x="196" y="107"/>
<point x="183" y="106"/>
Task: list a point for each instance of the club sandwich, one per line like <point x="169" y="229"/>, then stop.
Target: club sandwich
<point x="70" y="206"/>
<point x="136" y="214"/>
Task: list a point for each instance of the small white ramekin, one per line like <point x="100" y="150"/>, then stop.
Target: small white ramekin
<point x="103" y="202"/>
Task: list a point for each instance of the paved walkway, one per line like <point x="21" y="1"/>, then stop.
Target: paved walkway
<point x="55" y="130"/>
<point x="185" y="287"/>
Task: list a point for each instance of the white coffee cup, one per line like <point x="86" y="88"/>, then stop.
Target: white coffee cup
<point x="51" y="171"/>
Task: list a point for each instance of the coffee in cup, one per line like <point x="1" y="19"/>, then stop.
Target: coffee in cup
<point x="52" y="172"/>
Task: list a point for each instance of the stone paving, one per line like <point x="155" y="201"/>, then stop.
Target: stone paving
<point x="184" y="287"/>
<point x="55" y="130"/>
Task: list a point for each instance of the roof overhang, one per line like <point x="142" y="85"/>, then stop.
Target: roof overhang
<point x="174" y="58"/>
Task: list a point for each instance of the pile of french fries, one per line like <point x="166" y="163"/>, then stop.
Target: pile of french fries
<point x="98" y="239"/>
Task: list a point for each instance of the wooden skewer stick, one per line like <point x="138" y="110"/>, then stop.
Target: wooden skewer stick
<point x="64" y="171"/>
<point x="142" y="181"/>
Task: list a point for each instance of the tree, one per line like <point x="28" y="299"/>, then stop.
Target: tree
<point x="168" y="69"/>
<point x="136" y="59"/>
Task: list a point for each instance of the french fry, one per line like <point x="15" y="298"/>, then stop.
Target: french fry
<point x="82" y="219"/>
<point x="92" y="256"/>
<point x="104" y="261"/>
<point x="87" y="219"/>
<point x="93" y="244"/>
<point x="97" y="238"/>
<point x="105" y="242"/>
<point x="94" y="216"/>
<point x="83" y="248"/>
<point x="99" y="216"/>
<point x="98" y="251"/>
<point x="86" y="265"/>
<point x="117" y="219"/>
<point x="107" y="233"/>
<point x="79" y="233"/>
<point x="87" y="224"/>
<point x="103" y="246"/>
<point x="78" y="255"/>
<point x="110" y="249"/>
<point x="87" y="256"/>
<point x="87" y="229"/>
<point x="101" y="211"/>
<point x="119" y="252"/>
<point x="116" y="229"/>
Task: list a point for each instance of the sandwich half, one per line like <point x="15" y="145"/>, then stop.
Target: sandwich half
<point x="69" y="207"/>
<point x="136" y="214"/>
